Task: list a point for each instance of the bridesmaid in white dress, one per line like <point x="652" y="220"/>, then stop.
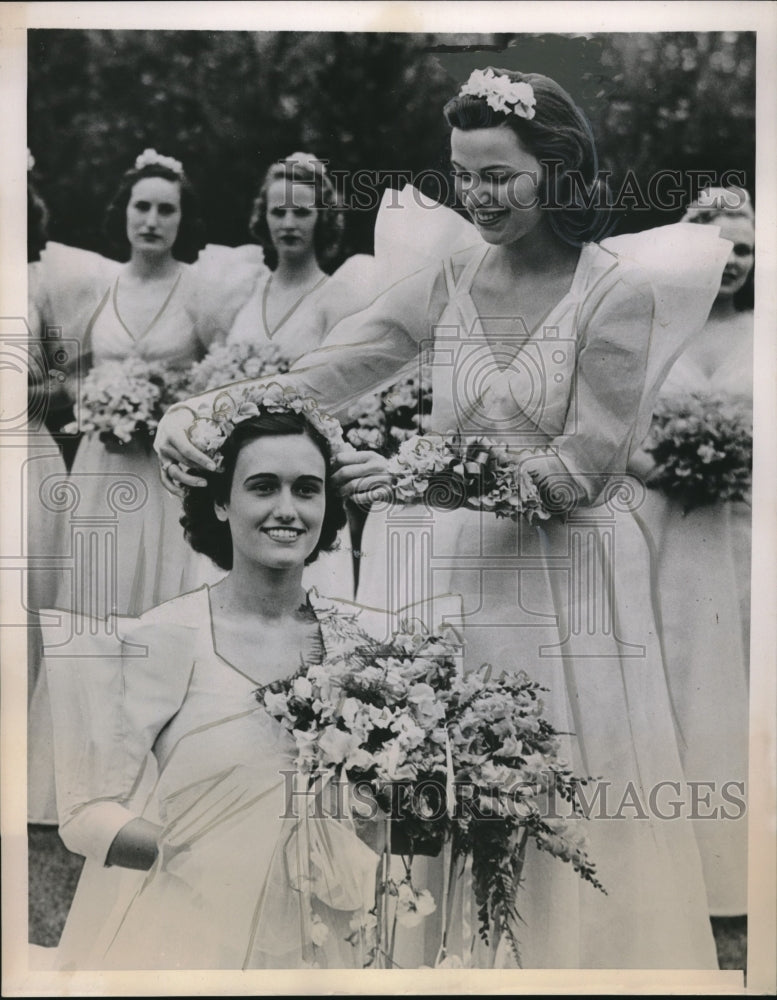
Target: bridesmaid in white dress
<point x="704" y="573"/>
<point x="557" y="345"/>
<point x="212" y="869"/>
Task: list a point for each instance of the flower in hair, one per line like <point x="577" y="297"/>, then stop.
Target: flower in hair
<point x="150" y="158"/>
<point x="232" y="406"/>
<point x="501" y="93"/>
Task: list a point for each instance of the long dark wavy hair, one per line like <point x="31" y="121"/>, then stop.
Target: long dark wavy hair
<point x="560" y="137"/>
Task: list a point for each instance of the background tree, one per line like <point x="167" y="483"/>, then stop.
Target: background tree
<point x="229" y="103"/>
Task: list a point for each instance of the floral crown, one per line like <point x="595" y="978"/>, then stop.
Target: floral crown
<point x="501" y="93"/>
<point x="150" y="158"/>
<point x="232" y="407"/>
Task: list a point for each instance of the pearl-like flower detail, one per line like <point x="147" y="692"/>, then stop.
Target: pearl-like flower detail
<point x="150" y="157"/>
<point x="501" y="93"/>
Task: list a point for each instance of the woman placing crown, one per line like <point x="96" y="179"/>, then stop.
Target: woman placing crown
<point x="556" y="344"/>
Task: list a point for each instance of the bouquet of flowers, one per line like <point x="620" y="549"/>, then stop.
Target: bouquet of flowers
<point x="703" y="449"/>
<point x="121" y="402"/>
<point x="381" y="421"/>
<point x="450" y="471"/>
<point x="227" y="363"/>
<point x="466" y="760"/>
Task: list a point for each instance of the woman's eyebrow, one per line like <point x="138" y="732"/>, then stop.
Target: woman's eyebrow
<point x="260" y="475"/>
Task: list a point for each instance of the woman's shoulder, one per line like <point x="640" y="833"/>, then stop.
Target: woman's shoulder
<point x="190" y="610"/>
<point x="216" y="263"/>
<point x="220" y="282"/>
<point x="69" y="283"/>
<point x="681" y="255"/>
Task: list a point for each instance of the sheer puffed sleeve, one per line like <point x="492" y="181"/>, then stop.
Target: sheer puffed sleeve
<point x="609" y="381"/>
<point x="366" y="351"/>
<point x="114" y="685"/>
<point x="69" y="285"/>
<point x="220" y="282"/>
<point x="649" y="294"/>
<point x="400" y="292"/>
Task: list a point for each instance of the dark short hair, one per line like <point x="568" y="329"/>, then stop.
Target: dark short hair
<point x="559" y="133"/>
<point x="207" y="534"/>
<point x="328" y="234"/>
<point x="190" y="239"/>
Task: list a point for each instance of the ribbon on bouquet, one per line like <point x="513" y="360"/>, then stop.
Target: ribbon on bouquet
<point x="319" y="858"/>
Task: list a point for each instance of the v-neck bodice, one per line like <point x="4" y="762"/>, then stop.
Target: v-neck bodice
<point x="470" y="347"/>
<point x="169" y="338"/>
<point x="250" y="325"/>
<point x="733" y="376"/>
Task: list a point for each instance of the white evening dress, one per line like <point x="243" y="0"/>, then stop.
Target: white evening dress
<point x="248" y="863"/>
<point x="123" y="548"/>
<point x="569" y="601"/>
<point x="704" y="589"/>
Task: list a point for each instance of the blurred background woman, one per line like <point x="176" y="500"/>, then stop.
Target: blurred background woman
<point x="704" y="564"/>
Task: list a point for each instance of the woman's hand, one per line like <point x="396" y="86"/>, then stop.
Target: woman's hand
<point x="177" y="455"/>
<point x="135" y="846"/>
<point x="362" y="476"/>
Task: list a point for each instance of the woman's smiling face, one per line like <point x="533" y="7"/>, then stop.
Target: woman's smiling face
<point x="277" y="501"/>
<point x="497" y="181"/>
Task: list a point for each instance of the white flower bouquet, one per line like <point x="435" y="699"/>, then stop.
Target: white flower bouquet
<point x="451" y="471"/>
<point x="461" y="762"/>
<point x="121" y="402"/>
<point x="703" y="449"/>
<point x="227" y="363"/>
<point x="381" y="421"/>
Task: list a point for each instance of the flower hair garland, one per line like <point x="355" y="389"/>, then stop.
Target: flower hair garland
<point x="233" y="406"/>
<point x="150" y="158"/>
<point x="501" y="93"/>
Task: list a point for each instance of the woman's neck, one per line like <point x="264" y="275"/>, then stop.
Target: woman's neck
<point x="297" y="271"/>
<point x="539" y="251"/>
<point x="723" y="308"/>
<point x="250" y="591"/>
<point x="146" y="267"/>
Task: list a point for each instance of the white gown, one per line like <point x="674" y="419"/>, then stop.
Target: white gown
<point x="568" y="601"/>
<point x="240" y="874"/>
<point x="704" y="589"/>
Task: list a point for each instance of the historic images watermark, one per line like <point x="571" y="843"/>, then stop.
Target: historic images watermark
<point x="666" y="190"/>
<point x="431" y="799"/>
